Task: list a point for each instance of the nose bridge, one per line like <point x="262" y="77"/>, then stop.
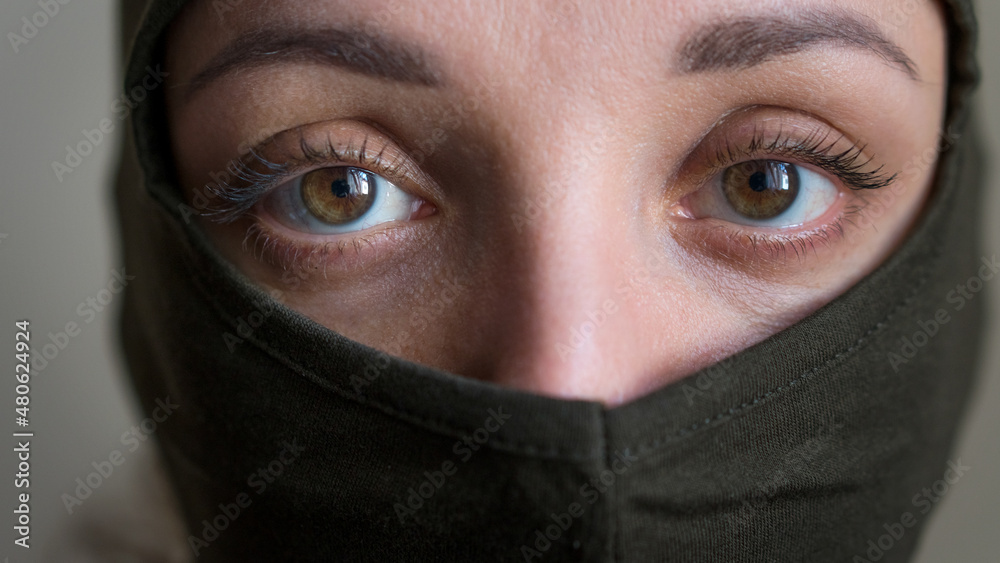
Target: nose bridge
<point x="571" y="213"/>
<point x="569" y="330"/>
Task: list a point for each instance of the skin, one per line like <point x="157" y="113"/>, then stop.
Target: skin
<point x="559" y="201"/>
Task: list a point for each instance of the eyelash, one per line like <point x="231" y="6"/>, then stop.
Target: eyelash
<point x="255" y="176"/>
<point x="848" y="165"/>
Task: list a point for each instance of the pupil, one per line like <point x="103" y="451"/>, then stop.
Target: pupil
<point x="758" y="181"/>
<point x="340" y="188"/>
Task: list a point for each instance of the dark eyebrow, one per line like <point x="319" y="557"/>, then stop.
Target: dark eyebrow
<point x="743" y="42"/>
<point x="352" y="49"/>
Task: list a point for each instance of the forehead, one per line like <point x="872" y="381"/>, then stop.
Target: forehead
<point x="527" y="36"/>
<point x="572" y="66"/>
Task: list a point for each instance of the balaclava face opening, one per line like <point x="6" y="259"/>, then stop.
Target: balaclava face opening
<point x="801" y="448"/>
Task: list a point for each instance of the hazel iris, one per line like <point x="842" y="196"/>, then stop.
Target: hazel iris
<point x="338" y="195"/>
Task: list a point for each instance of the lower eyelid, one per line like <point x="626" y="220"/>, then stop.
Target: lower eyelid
<point x="763" y="255"/>
<point x="334" y="255"/>
<point x="767" y="251"/>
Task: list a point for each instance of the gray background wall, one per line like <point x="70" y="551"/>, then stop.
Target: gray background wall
<point x="58" y="248"/>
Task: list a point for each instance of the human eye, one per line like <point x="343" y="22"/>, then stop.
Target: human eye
<point x="338" y="200"/>
<point x="766" y="193"/>
<point x="776" y="185"/>
<point x="322" y="189"/>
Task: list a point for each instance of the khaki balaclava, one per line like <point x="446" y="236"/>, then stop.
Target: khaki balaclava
<point x="810" y="446"/>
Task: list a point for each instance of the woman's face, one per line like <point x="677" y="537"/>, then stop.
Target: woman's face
<point x="577" y="198"/>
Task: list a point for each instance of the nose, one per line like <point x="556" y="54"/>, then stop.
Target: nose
<point x="579" y="283"/>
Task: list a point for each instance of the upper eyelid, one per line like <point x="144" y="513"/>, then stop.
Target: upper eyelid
<point x="849" y="164"/>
